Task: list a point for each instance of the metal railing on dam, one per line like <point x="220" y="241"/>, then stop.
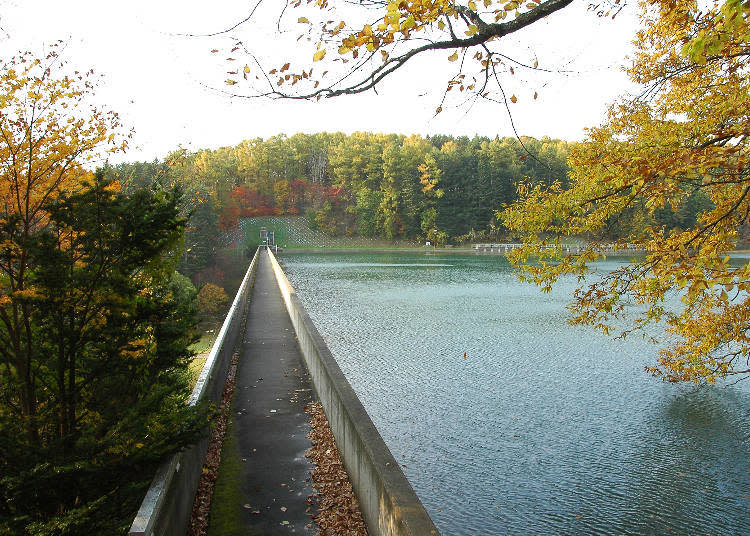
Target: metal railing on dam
<point x="168" y="503"/>
<point x="566" y="248"/>
<point x="388" y="503"/>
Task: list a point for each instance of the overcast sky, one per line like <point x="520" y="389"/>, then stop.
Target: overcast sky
<point x="161" y="82"/>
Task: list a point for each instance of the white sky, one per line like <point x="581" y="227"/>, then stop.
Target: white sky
<point x="160" y="83"/>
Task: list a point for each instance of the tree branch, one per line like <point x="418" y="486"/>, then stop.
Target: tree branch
<point x="487" y="32"/>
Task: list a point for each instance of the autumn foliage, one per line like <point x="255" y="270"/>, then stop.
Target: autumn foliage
<point x="354" y="48"/>
<point x="94" y="328"/>
<point x="48" y="132"/>
<point x="245" y="202"/>
<point x="212" y="300"/>
<point x="684" y="138"/>
<point x="338" y="509"/>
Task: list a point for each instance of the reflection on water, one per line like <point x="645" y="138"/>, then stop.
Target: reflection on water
<point x="543" y="428"/>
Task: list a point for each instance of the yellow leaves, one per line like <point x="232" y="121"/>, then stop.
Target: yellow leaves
<point x="408" y="23"/>
<point x="453" y="57"/>
<point x="303" y="20"/>
<point x="230" y="82"/>
<point x="26" y="294"/>
<point x="319" y="55"/>
<point x="473" y="30"/>
<point x="46" y="157"/>
<point x="115" y="187"/>
<point x="472" y="5"/>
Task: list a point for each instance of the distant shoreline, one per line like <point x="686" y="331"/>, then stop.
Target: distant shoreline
<point x="433" y="251"/>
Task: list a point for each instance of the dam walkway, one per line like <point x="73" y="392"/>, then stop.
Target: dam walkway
<point x="264" y="477"/>
<point x="264" y="480"/>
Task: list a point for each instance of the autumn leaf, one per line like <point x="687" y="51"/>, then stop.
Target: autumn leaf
<point x="319" y="55"/>
<point x="642" y="164"/>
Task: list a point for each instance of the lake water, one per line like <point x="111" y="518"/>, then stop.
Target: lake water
<point x="542" y="428"/>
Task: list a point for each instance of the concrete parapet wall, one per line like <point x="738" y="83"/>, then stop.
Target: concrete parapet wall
<point x="168" y="504"/>
<point x="387" y="500"/>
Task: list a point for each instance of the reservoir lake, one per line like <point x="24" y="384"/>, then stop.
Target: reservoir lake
<point x="508" y="420"/>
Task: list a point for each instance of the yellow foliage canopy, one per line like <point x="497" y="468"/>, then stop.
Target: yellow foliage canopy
<point x="48" y="134"/>
<point x="686" y="134"/>
<point x="212" y="300"/>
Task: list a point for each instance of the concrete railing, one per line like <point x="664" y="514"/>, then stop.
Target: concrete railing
<point x="168" y="504"/>
<point x="387" y="500"/>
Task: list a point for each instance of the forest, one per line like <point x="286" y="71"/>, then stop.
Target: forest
<point x="438" y="188"/>
<point x="109" y="278"/>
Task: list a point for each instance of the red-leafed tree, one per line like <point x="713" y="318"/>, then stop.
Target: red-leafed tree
<point x="245" y="202"/>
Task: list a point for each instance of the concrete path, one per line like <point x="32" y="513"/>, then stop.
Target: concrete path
<point x="263" y="462"/>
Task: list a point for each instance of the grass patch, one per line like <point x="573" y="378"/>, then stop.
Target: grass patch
<point x="225" y="518"/>
<point x="294" y="232"/>
<point x="194" y="369"/>
<point x="206" y="342"/>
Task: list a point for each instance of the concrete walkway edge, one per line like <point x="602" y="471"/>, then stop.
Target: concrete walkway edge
<point x="387" y="500"/>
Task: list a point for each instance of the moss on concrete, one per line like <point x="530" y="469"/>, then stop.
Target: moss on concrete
<point x="225" y="518"/>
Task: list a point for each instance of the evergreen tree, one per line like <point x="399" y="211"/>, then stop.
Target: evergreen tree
<point x="108" y="338"/>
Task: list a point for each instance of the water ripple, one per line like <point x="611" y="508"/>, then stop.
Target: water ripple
<point x="543" y="428"/>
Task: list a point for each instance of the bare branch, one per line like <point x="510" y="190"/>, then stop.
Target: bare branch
<point x="227" y="30"/>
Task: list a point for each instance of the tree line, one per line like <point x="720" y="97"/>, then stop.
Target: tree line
<point x="374" y="185"/>
<point x="437" y="188"/>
